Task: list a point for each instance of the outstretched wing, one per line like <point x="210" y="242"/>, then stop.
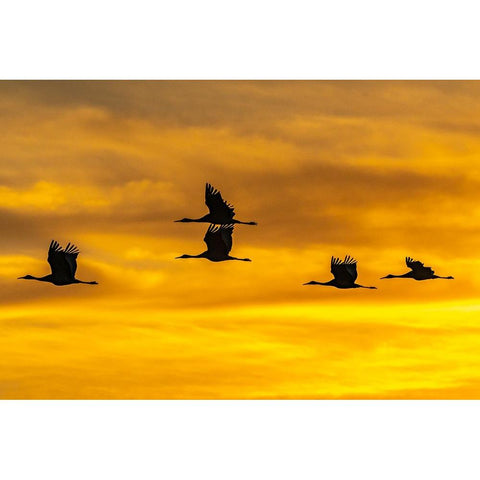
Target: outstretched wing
<point x="345" y="272"/>
<point x="63" y="262"/>
<point x="217" y="205"/>
<point x="417" y="266"/>
<point x="71" y="253"/>
<point x="219" y="240"/>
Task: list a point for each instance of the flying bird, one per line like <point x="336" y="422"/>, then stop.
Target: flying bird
<point x="417" y="271"/>
<point x="221" y="212"/>
<point x="63" y="264"/>
<point x="219" y="244"/>
<point x="344" y="273"/>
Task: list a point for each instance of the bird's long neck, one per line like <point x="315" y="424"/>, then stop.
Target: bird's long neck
<point x="405" y="275"/>
<point x="205" y="218"/>
<point x="313" y="282"/>
<point x="46" y="278"/>
<point x="201" y="255"/>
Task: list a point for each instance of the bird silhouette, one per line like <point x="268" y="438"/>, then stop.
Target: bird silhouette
<point x="219" y="244"/>
<point x="63" y="264"/>
<point x="344" y="273"/>
<point x="417" y="271"/>
<point x="221" y="212"/>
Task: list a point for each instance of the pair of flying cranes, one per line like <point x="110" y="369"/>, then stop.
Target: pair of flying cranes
<point x="218" y="238"/>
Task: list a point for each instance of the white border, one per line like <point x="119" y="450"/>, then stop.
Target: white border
<point x="252" y="39"/>
<point x="241" y="40"/>
<point x="239" y="440"/>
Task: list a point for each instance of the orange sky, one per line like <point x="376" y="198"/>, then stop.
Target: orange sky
<point x="377" y="170"/>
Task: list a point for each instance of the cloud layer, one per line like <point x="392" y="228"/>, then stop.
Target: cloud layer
<point x="377" y="170"/>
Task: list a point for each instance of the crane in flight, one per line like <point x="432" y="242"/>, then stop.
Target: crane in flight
<point x="417" y="271"/>
<point x="63" y="263"/>
<point x="220" y="212"/>
<point x="344" y="274"/>
<point x="219" y="244"/>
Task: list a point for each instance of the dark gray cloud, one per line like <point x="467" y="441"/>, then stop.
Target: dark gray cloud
<point x="236" y="104"/>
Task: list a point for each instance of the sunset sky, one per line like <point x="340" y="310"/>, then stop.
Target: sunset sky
<point x="375" y="170"/>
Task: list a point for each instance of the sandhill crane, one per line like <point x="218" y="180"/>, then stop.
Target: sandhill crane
<point x="417" y="271"/>
<point x="63" y="264"/>
<point x="221" y="212"/>
<point x="219" y="244"/>
<point x="344" y="273"/>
